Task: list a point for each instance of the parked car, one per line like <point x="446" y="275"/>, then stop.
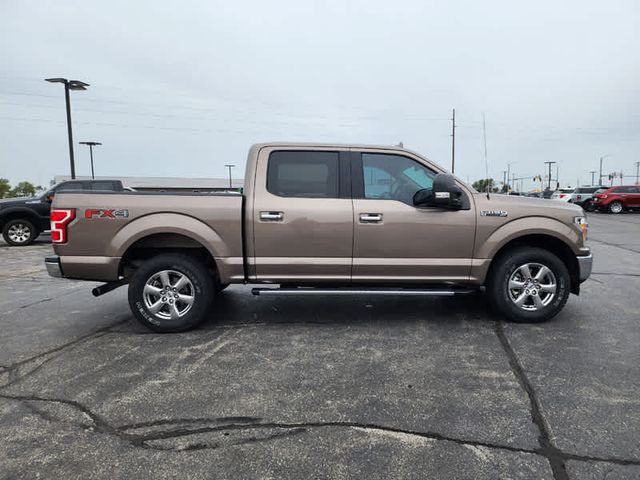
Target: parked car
<point x="583" y="196"/>
<point x="23" y="219"/>
<point x="323" y="219"/>
<point x="617" y="199"/>
<point x="562" y="194"/>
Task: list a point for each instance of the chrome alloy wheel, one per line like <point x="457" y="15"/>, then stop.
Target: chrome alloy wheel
<point x="532" y="286"/>
<point x="615" y="207"/>
<point x="19" y="233"/>
<point x="168" y="294"/>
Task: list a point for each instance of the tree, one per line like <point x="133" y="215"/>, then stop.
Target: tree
<point x="5" y="188"/>
<point x="23" y="189"/>
<point x="482" y="184"/>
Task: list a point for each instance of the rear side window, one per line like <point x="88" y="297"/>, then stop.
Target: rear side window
<point x="69" y="186"/>
<point x="303" y="174"/>
<point x="102" y="186"/>
<point x="623" y="190"/>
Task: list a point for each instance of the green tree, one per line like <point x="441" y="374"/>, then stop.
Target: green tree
<point x="5" y="187"/>
<point x="482" y="184"/>
<point x="23" y="189"/>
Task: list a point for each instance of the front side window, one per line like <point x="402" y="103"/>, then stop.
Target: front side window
<point x="394" y="177"/>
<point x="303" y="174"/>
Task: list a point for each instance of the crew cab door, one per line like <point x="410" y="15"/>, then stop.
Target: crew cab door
<point x="302" y="216"/>
<point x="397" y="242"/>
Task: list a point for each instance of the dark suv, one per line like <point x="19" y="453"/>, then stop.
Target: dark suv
<point x="23" y="219"/>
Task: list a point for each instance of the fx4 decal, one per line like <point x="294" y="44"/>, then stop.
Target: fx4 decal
<point x="106" y="213"/>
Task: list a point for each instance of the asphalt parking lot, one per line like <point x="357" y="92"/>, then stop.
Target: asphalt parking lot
<point x="362" y="387"/>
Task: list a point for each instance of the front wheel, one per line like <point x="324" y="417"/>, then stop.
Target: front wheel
<point x="528" y="285"/>
<point x="18" y="233"/>
<point x="171" y="293"/>
<point x="588" y="206"/>
<point x="615" y="207"/>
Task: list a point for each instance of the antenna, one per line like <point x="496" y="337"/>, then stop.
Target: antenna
<point x="486" y="163"/>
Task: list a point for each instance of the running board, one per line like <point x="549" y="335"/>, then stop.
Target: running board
<point x="434" y="292"/>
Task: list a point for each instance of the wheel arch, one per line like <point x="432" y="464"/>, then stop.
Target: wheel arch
<point x="20" y="214"/>
<point x="165" y="233"/>
<point x="547" y="242"/>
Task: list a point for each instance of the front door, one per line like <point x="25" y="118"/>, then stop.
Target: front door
<point x="397" y="242"/>
<point x="302" y="216"/>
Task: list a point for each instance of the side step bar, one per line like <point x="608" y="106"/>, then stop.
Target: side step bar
<point x="435" y="292"/>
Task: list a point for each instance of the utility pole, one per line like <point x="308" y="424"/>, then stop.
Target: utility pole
<point x="637" y="173"/>
<point x="504" y="179"/>
<point x="230" y="167"/>
<point x="549" y="163"/>
<point x="453" y="141"/>
<point x="513" y="182"/>
<point x="592" y="172"/>
<point x="91" y="145"/>
<point x="601" y="158"/>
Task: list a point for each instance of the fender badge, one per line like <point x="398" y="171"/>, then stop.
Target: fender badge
<point x="494" y="213"/>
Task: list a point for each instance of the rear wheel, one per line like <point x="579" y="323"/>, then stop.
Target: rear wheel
<point x="528" y="285"/>
<point x="171" y="293"/>
<point x="19" y="232"/>
<point x="615" y="207"/>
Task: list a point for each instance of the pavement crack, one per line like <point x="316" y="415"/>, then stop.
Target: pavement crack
<point x="226" y="425"/>
<point x="548" y="449"/>
<point x="14" y="369"/>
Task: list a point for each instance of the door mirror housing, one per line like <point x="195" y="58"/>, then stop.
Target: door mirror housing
<point x="444" y="194"/>
<point x="49" y="196"/>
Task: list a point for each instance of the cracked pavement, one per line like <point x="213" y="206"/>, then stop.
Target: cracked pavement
<point x="361" y="387"/>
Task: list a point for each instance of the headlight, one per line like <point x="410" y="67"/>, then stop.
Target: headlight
<point x="583" y="225"/>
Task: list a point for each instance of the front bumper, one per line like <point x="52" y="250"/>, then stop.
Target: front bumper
<point x="53" y="266"/>
<point x="585" y="264"/>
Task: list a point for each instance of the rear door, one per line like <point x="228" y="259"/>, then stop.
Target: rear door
<point x="397" y="242"/>
<point x="302" y="215"/>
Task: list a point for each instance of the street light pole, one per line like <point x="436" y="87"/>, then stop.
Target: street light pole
<point x="637" y="172"/>
<point x="230" y="167"/>
<point x="592" y="172"/>
<point x="69" y="85"/>
<point x="91" y="145"/>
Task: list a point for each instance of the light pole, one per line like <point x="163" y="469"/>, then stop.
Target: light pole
<point x="69" y="85"/>
<point x="91" y="145"/>
<point x="600" y="178"/>
<point x="637" y="172"/>
<point x="592" y="172"/>
<point x="230" y="167"/>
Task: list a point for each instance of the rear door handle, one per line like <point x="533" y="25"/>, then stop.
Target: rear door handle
<point x="271" y="216"/>
<point x="370" y="217"/>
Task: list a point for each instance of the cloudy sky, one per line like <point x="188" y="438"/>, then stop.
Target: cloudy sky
<point x="182" y="88"/>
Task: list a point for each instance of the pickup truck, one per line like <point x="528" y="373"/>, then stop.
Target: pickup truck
<point x="323" y="219"/>
<point x="23" y="219"/>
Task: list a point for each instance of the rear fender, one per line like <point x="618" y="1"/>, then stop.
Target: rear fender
<point x="167" y="223"/>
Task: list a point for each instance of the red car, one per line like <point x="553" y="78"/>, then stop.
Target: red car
<point x="617" y="199"/>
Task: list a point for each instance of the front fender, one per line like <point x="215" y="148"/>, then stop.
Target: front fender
<point x="488" y="247"/>
<point x="167" y="223"/>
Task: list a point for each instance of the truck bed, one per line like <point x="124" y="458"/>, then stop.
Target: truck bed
<point x="107" y="225"/>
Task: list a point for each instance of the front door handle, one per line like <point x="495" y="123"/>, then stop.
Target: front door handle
<point x="272" y="216"/>
<point x="370" y="217"/>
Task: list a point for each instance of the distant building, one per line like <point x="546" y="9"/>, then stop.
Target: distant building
<point x="167" y="184"/>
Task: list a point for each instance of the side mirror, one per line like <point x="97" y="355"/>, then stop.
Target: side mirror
<point x="50" y="196"/>
<point x="444" y="194"/>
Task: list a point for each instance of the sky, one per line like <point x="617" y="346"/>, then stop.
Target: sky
<point x="181" y="88"/>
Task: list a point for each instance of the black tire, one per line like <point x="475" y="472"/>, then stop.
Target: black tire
<point x="503" y="298"/>
<point x="588" y="206"/>
<point x="19" y="233"/>
<point x="615" y="207"/>
<point x="200" y="289"/>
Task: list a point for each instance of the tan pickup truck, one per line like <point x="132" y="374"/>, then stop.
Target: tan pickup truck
<point x="323" y="219"/>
